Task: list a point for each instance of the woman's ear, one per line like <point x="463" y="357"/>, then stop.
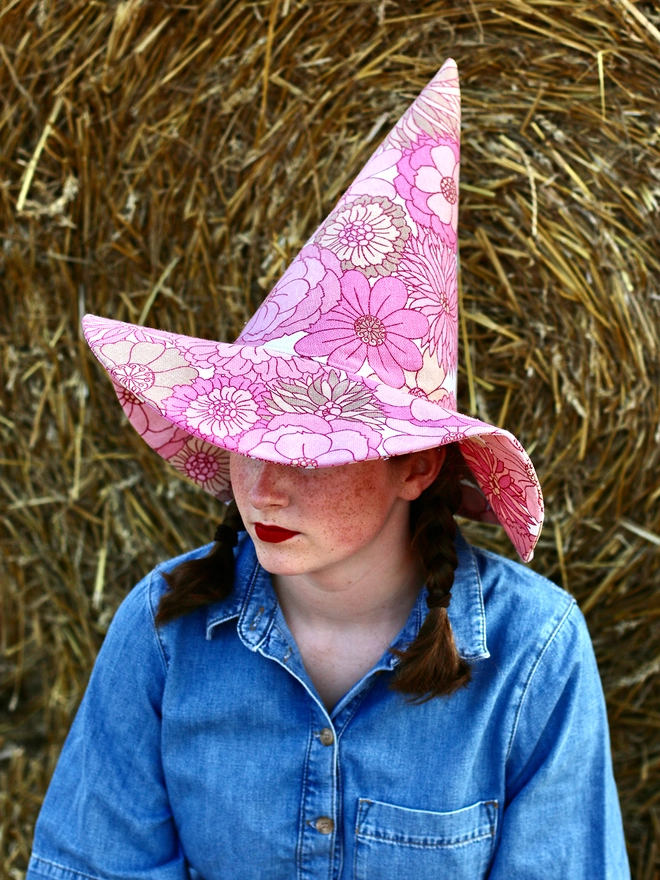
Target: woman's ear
<point x="419" y="470"/>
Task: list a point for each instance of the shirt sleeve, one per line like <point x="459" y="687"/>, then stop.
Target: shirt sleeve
<point x="106" y="813"/>
<point x="562" y="816"/>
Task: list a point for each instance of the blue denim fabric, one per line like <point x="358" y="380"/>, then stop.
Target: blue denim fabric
<point x="197" y="749"/>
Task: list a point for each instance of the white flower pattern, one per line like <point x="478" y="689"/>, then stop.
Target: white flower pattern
<point x="367" y="234"/>
<point x="353" y="355"/>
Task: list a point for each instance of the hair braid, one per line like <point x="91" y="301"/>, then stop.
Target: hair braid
<point x="205" y="580"/>
<point x="431" y="666"/>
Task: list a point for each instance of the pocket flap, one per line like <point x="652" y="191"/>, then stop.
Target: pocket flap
<point x="379" y="821"/>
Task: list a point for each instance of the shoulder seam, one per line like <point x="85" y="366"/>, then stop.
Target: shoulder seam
<point x="571" y="605"/>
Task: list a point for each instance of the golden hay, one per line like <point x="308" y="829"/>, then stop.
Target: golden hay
<point x="162" y="163"/>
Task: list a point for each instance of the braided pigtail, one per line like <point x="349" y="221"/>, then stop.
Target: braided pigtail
<point x="431" y="666"/>
<point x="205" y="580"/>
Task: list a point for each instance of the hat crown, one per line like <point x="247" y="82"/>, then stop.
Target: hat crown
<point x="374" y="291"/>
<point x="352" y="356"/>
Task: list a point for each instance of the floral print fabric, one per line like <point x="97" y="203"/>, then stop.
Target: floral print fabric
<point x="352" y="356"/>
<point x="370" y="324"/>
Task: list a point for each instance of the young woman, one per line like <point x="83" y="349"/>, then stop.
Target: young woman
<point x="340" y="686"/>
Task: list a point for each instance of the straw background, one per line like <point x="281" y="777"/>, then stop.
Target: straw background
<point x="162" y="162"/>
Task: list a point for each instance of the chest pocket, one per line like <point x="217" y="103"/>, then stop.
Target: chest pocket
<point x="395" y="843"/>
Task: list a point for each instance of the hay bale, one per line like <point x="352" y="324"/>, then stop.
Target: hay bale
<point x="162" y="164"/>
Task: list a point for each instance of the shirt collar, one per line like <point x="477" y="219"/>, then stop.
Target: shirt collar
<point x="254" y="603"/>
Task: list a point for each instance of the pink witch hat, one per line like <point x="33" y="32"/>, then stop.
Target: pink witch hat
<point x="353" y="354"/>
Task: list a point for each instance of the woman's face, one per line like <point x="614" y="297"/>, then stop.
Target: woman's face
<point x="351" y="512"/>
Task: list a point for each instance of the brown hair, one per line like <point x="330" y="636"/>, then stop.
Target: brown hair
<point x="430" y="666"/>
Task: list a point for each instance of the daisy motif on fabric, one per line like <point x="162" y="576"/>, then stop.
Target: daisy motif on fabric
<point x="149" y="369"/>
<point x="428" y="182"/>
<point x="206" y="465"/>
<point x="217" y="408"/>
<point x="353" y="355"/>
<point x="309" y="288"/>
<point x="428" y="269"/>
<point x="369" y="324"/>
<point x="329" y="397"/>
<point x="367" y="234"/>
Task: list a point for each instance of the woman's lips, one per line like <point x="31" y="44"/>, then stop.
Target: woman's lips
<point x="273" y="534"/>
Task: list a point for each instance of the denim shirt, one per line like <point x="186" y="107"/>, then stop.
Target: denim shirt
<point x="202" y="750"/>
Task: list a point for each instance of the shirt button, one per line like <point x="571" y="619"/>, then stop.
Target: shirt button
<point x="325" y="825"/>
<point x="326" y="736"/>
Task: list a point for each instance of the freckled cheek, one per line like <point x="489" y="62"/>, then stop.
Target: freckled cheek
<point x="238" y="472"/>
<point x="350" y="515"/>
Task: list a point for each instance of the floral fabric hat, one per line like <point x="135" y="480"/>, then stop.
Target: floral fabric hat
<point x="353" y="354"/>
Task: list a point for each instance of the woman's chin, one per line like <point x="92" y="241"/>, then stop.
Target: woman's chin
<point x="279" y="560"/>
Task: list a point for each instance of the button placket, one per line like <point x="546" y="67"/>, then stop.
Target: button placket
<point x="317" y="850"/>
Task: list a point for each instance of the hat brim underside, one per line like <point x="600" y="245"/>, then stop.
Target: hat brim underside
<point x="194" y="401"/>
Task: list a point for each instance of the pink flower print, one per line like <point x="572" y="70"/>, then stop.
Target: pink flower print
<point x="508" y="488"/>
<point x="282" y="365"/>
<point x="437" y="111"/>
<point x="155" y="430"/>
<point x="367" y="234"/>
<point x="369" y="324"/>
<point x="309" y="441"/>
<point x="106" y="330"/>
<point x="252" y="362"/>
<point x="202" y="353"/>
<point x="423" y="410"/>
<point x="98" y="330"/>
<point x="264" y="366"/>
<point x="428" y="269"/>
<point x="149" y="369"/>
<point x="402" y="437"/>
<point x="328" y="396"/>
<point x="206" y="465"/>
<point x="309" y="288"/>
<point x="136" y="377"/>
<point x="218" y="410"/>
<point x="126" y="398"/>
<point x="415" y="406"/>
<point x="432" y="382"/>
<point x="428" y="181"/>
<point x="474" y="504"/>
<point x="375" y="179"/>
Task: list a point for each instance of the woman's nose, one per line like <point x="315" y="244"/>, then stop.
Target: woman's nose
<point x="269" y="487"/>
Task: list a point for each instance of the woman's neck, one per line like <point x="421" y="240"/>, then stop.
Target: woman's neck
<point x="384" y="592"/>
<point x="344" y="618"/>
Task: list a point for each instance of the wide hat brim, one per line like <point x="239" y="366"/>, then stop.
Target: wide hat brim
<point x="195" y="400"/>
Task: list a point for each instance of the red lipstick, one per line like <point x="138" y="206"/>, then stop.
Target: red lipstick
<point x="273" y="534"/>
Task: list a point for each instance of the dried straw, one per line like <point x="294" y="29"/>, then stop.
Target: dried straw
<point x="162" y="163"/>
